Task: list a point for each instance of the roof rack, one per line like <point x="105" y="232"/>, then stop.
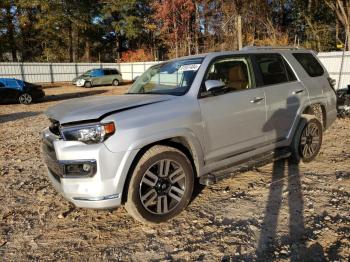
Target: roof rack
<point x="270" y="48"/>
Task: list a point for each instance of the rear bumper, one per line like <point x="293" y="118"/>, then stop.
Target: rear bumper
<point x="331" y="117"/>
<point x="38" y="94"/>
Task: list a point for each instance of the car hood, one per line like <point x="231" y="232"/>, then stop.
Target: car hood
<point x="80" y="77"/>
<point x="96" y="108"/>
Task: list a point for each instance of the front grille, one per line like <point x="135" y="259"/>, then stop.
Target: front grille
<point x="55" y="127"/>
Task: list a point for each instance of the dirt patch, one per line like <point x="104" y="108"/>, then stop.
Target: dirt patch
<point x="277" y="212"/>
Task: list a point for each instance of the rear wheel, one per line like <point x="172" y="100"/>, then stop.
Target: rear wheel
<point x="87" y="84"/>
<point x="307" y="140"/>
<point x="25" y="99"/>
<point x="115" y="82"/>
<point x="161" y="185"/>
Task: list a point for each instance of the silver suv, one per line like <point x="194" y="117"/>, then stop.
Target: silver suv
<point x="182" y="121"/>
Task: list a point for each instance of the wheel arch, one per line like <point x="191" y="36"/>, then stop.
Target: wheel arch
<point x="181" y="143"/>
<point x="310" y="110"/>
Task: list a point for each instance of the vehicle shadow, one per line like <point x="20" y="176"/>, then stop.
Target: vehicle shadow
<point x="17" y="116"/>
<point x="285" y="170"/>
<point x="52" y="98"/>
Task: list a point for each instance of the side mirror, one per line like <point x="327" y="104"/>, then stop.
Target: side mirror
<point x="214" y="85"/>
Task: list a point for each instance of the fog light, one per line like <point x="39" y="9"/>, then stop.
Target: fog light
<point x="86" y="168"/>
<point x="72" y="169"/>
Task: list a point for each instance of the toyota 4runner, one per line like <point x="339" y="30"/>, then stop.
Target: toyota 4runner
<point x="182" y="121"/>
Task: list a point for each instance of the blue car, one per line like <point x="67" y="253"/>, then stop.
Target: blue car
<point x="14" y="90"/>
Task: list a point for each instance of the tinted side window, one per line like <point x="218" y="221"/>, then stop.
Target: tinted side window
<point x="309" y="63"/>
<point x="107" y="72"/>
<point x="271" y="68"/>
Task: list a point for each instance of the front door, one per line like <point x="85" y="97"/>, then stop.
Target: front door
<point x="106" y="78"/>
<point x="3" y="94"/>
<point x="234" y="116"/>
<point x="97" y="76"/>
<point x="11" y="90"/>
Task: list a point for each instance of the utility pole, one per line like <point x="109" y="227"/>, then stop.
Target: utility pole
<point x="342" y="61"/>
<point x="239" y="32"/>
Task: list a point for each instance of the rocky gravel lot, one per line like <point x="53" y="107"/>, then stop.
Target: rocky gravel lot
<point x="278" y="212"/>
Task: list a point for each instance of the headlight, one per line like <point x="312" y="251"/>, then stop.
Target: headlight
<point x="89" y="134"/>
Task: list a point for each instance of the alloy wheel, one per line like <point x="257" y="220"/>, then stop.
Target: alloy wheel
<point x="310" y="141"/>
<point x="25" y="99"/>
<point x="162" y="186"/>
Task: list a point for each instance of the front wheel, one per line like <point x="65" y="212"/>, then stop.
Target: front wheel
<point x="87" y="84"/>
<point x="307" y="140"/>
<point x="25" y="99"/>
<point x="115" y="82"/>
<point x="161" y="185"/>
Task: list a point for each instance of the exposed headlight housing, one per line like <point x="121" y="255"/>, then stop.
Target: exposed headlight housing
<point x="89" y="133"/>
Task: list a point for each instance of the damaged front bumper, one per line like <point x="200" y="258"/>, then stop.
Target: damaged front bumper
<point x="84" y="174"/>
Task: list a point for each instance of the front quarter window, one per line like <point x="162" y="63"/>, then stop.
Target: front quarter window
<point x="170" y="78"/>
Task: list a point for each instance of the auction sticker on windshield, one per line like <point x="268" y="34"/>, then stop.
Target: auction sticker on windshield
<point x="192" y="67"/>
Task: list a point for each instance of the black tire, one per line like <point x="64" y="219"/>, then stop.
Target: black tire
<point x="88" y="84"/>
<point x="115" y="82"/>
<point x="25" y="99"/>
<point x="306" y="144"/>
<point x="136" y="195"/>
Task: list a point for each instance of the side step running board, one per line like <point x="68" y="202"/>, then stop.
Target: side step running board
<point x="261" y="160"/>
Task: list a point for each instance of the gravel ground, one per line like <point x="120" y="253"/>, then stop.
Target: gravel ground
<point x="278" y="212"/>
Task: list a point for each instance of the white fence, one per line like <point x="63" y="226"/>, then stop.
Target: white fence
<point x="332" y="61"/>
<point x="62" y="72"/>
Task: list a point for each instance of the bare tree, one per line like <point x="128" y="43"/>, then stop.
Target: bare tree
<point x="342" y="10"/>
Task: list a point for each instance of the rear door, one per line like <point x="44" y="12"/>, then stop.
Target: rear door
<point x="108" y="77"/>
<point x="316" y="77"/>
<point x="285" y="94"/>
<point x="116" y="75"/>
<point x="233" y="118"/>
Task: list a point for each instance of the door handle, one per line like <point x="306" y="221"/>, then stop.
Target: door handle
<point x="298" y="91"/>
<point x="257" y="100"/>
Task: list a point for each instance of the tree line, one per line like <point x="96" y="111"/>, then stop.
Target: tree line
<point x="139" y="30"/>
